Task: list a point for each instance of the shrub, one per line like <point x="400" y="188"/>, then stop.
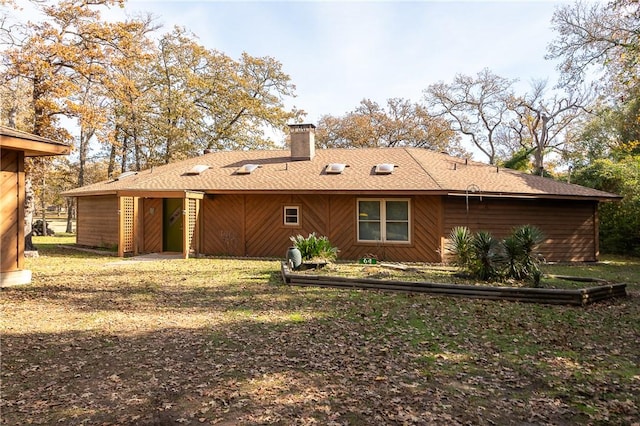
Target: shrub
<point x="314" y="247"/>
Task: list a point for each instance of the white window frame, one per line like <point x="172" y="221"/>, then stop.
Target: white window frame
<point x="383" y="221"/>
<point x="285" y="216"/>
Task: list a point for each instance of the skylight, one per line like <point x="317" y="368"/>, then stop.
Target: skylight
<point x="335" y="168"/>
<point x="125" y="175"/>
<point x="198" y="169"/>
<point x="246" y="169"/>
<point x="384" y="168"/>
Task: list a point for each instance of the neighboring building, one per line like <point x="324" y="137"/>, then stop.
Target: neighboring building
<point x="398" y="204"/>
<point x="14" y="147"/>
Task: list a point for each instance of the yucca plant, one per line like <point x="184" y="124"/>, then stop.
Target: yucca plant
<point x="523" y="263"/>
<point x="314" y="247"/>
<point x="459" y="245"/>
<point x="486" y="255"/>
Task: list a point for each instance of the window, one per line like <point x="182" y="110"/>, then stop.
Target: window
<point x="291" y="215"/>
<point x="383" y="220"/>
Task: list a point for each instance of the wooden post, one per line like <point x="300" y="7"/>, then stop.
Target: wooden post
<point x="121" y="226"/>
<point x="21" y="200"/>
<point x="136" y="225"/>
<point x="185" y="227"/>
<point x="196" y="228"/>
<point x="596" y="232"/>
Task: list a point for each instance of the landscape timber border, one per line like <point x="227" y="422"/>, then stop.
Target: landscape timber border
<point x="578" y="297"/>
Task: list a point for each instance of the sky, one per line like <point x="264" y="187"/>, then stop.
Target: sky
<point x="338" y="53"/>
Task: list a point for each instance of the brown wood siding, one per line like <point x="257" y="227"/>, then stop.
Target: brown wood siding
<point x="98" y="221"/>
<point x="152" y="225"/>
<point x="253" y="225"/>
<point x="266" y="234"/>
<point x="568" y="226"/>
<point x="223" y="225"/>
<point x="11" y="251"/>
<point x="342" y="220"/>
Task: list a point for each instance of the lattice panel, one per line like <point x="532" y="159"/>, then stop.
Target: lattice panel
<point x="193" y="216"/>
<point x="128" y="224"/>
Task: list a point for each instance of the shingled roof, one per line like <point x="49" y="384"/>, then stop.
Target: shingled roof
<point x="416" y="171"/>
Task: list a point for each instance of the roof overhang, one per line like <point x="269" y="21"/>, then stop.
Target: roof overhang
<point x="32" y="145"/>
<point x="610" y="197"/>
<point x="146" y="193"/>
<point x="160" y="194"/>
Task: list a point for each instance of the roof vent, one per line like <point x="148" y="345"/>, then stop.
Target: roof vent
<point x="335" y="168"/>
<point x="198" y="169"/>
<point x="125" y="175"/>
<point x="247" y="169"/>
<point x="384" y="168"/>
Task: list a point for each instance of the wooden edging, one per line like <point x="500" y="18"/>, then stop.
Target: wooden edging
<point x="579" y="297"/>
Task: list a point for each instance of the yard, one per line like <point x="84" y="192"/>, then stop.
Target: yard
<point x="101" y="340"/>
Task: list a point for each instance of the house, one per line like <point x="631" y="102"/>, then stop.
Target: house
<point x="14" y="147"/>
<point x="398" y="204"/>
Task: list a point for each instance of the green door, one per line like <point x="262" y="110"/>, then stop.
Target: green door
<point x="172" y="224"/>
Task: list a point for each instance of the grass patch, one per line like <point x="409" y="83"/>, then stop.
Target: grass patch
<point x="221" y="341"/>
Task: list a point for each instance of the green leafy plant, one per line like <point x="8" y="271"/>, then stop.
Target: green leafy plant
<point x="314" y="247"/>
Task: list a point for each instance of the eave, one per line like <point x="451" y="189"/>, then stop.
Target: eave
<point x="32" y="145"/>
<point x="161" y="194"/>
<point x="532" y="196"/>
<point x="181" y="193"/>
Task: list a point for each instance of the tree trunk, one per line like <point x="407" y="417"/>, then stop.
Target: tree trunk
<point x="70" y="214"/>
<point x="112" y="161"/>
<point x="125" y="152"/>
<point x="113" y="153"/>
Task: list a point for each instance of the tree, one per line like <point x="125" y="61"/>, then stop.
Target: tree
<point x="605" y="34"/>
<point x="126" y="88"/>
<point x="115" y="98"/>
<point x="619" y="221"/>
<point x="477" y="107"/>
<point x="51" y="57"/>
<point x="189" y="98"/>
<point x="14" y="108"/>
<point x="402" y="123"/>
<point x="542" y="122"/>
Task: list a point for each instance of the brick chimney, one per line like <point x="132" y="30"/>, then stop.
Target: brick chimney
<point x="303" y="141"/>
